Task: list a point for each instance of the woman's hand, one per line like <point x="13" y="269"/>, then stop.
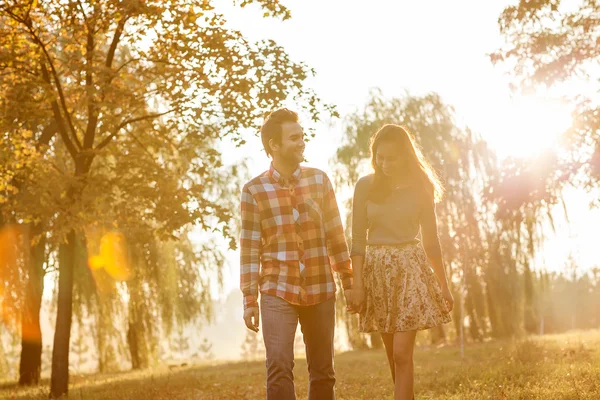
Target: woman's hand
<point x="358" y="300"/>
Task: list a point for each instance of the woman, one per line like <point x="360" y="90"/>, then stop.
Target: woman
<point x="396" y="290"/>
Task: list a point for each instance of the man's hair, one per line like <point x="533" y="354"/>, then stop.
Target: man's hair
<point x="271" y="128"/>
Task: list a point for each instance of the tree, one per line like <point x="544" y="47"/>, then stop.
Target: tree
<point x="100" y="69"/>
<point x="550" y="45"/>
<point x="28" y="212"/>
<point x="252" y="348"/>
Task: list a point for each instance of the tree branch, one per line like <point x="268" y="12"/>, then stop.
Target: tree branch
<point x="60" y="123"/>
<point x="143" y="147"/>
<point x="28" y="23"/>
<point x="47" y="134"/>
<point x="115" y="42"/>
<point x="90" y="132"/>
<point x="85" y="18"/>
<point x="123" y="124"/>
<point x="126" y="63"/>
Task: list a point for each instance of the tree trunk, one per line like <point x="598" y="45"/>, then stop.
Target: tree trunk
<point x="136" y="332"/>
<point x="474" y="329"/>
<point x="355" y="338"/>
<point x="4" y="368"/>
<point x="67" y="257"/>
<point x="376" y="341"/>
<point x="530" y="317"/>
<point x="496" y="325"/>
<point x="132" y="341"/>
<point x="59" y="383"/>
<point x="438" y="335"/>
<point x="31" y="332"/>
<point x="100" y="340"/>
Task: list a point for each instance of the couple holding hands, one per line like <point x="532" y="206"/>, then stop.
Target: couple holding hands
<point x="292" y="238"/>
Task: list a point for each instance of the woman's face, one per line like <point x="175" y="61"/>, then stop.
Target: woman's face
<point x="390" y="159"/>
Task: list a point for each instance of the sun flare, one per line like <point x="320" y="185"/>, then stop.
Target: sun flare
<point x="532" y="125"/>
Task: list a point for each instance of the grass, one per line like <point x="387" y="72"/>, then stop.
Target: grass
<point x="552" y="367"/>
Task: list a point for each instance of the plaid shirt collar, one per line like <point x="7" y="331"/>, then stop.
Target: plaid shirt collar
<point x="277" y="177"/>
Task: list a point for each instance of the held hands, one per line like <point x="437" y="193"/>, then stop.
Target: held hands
<point x="355" y="299"/>
<point x="252" y="318"/>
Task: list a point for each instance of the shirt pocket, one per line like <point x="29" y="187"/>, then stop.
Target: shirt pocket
<point x="277" y="225"/>
<point x="314" y="211"/>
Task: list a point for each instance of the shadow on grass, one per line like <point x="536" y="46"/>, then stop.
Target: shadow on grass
<point x="100" y="382"/>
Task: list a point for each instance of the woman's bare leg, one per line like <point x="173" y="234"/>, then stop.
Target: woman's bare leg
<point x="404" y="343"/>
<point x="388" y="342"/>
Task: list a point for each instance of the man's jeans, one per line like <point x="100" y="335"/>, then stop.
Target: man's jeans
<point x="279" y="322"/>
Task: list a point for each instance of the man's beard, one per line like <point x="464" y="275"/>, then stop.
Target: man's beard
<point x="291" y="157"/>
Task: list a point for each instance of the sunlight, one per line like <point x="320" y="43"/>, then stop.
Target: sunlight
<point x="531" y="125"/>
<point x="108" y="253"/>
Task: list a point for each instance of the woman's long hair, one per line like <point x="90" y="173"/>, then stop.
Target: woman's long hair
<point x="421" y="173"/>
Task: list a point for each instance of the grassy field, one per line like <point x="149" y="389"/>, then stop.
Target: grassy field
<point x="549" y="368"/>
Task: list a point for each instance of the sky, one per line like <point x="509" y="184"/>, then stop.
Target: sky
<point x="416" y="47"/>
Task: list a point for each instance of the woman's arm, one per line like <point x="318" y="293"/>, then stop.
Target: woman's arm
<point x="359" y="238"/>
<point x="433" y="249"/>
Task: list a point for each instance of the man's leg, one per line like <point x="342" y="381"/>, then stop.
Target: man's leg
<point x="318" y="325"/>
<point x="279" y="322"/>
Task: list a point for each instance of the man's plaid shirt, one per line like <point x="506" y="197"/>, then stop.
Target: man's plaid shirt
<point x="291" y="238"/>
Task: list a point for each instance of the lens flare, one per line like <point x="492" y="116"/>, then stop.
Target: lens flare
<point x="109" y="253"/>
<point x="113" y="249"/>
<point x="12" y="260"/>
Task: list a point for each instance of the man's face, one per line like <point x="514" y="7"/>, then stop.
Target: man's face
<point x="291" y="149"/>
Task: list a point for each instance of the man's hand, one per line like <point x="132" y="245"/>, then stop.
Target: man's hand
<point x="252" y="318"/>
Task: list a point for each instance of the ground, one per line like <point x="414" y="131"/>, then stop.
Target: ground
<point x="552" y="367"/>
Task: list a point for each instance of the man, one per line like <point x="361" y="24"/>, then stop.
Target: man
<point x="291" y="238"/>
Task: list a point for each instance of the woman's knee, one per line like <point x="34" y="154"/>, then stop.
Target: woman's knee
<point x="403" y="355"/>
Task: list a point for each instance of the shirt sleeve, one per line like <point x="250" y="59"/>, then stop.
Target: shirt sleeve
<point x="249" y="249"/>
<point x="334" y="234"/>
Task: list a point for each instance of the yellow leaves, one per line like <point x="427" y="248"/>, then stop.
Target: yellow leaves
<point x="194" y="13"/>
<point x="34" y="4"/>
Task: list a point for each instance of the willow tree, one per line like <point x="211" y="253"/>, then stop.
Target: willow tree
<point x="28" y="197"/>
<point x="168" y="278"/>
<point x="554" y="45"/>
<point x="103" y="67"/>
<point x="548" y="45"/>
<point x="464" y="163"/>
<point x="26" y="192"/>
<point x="522" y="195"/>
